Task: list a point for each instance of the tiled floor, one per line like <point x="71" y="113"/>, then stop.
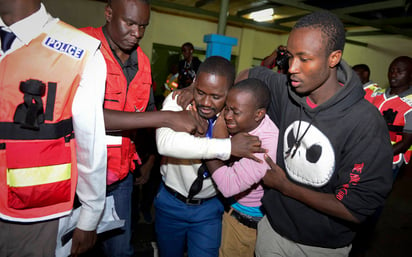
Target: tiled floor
<point x="392" y="236"/>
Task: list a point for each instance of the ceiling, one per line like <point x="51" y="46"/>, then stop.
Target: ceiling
<point x="360" y="17"/>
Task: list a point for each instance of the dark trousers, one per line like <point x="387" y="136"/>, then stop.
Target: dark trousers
<point x="36" y="239"/>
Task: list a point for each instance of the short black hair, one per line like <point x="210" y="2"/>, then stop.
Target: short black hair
<point x="405" y="59"/>
<point x="330" y="25"/>
<point x="258" y="89"/>
<point x="362" y="67"/>
<point x="189" y="45"/>
<point x="109" y="2"/>
<point x="219" y="66"/>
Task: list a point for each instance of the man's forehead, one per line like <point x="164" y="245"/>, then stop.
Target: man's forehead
<point x="306" y="39"/>
<point x="210" y="76"/>
<point x="129" y="5"/>
<point x="307" y="31"/>
<point x="125" y="1"/>
<point x="403" y="63"/>
<point x="210" y="80"/>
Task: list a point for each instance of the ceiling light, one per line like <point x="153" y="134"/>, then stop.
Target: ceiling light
<point x="262" y="15"/>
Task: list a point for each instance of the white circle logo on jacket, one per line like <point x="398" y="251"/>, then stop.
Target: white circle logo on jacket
<point x="309" y="159"/>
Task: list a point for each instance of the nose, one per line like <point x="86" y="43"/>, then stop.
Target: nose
<point x="293" y="65"/>
<point x="137" y="31"/>
<point x="206" y="101"/>
<point x="392" y="74"/>
<point x="228" y="114"/>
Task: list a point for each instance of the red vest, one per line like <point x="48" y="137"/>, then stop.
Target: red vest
<point x="121" y="150"/>
<point x="38" y="171"/>
<point x="370" y="92"/>
<point x="396" y="122"/>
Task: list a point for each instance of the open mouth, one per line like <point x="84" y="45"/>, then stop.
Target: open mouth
<point x="230" y="125"/>
<point x="206" y="111"/>
<point x="295" y="83"/>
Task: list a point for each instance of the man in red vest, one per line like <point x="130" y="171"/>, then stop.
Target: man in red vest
<point x="395" y="104"/>
<point x="128" y="89"/>
<point x="128" y="95"/>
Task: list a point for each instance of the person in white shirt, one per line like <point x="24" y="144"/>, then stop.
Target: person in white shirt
<point x="183" y="216"/>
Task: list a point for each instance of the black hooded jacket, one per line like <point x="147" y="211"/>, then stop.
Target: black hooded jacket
<point x="341" y="147"/>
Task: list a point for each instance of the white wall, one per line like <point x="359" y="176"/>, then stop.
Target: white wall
<point x="378" y="55"/>
<point x="79" y="13"/>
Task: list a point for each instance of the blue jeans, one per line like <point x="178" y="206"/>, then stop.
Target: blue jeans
<point x="199" y="227"/>
<point x="118" y="244"/>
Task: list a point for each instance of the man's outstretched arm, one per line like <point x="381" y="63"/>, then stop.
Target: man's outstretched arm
<point x="184" y="121"/>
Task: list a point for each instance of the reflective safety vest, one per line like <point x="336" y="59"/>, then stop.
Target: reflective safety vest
<point x="371" y="91"/>
<point x="38" y="171"/>
<point x="394" y="110"/>
<point x="121" y="151"/>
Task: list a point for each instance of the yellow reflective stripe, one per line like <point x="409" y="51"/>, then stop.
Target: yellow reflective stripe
<point x="393" y="142"/>
<point x="38" y="175"/>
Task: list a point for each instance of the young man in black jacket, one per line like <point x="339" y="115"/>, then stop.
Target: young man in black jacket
<point x="334" y="153"/>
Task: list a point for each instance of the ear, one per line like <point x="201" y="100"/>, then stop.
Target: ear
<point x="334" y="58"/>
<point x="108" y="12"/>
<point x="260" y="114"/>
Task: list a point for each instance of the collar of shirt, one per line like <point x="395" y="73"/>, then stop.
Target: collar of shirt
<point x="29" y="27"/>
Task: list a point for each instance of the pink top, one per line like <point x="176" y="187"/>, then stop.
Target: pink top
<point x="243" y="177"/>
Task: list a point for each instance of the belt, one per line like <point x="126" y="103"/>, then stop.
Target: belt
<point x="248" y="222"/>
<point x="184" y="199"/>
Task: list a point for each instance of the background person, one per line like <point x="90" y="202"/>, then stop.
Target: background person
<point x="363" y="71"/>
<point x="394" y="103"/>
<point x="278" y="58"/>
<point x="188" y="66"/>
